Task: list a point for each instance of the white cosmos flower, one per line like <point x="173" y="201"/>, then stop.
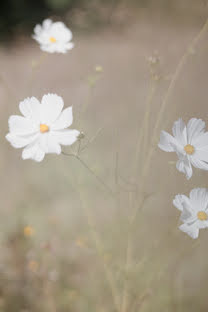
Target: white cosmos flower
<point x="189" y="142"/>
<point x="42" y="128"/>
<point x="53" y="37"/>
<point x="194" y="211"/>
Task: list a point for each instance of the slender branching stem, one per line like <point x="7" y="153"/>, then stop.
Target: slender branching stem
<point x="100" y="250"/>
<point x="98" y="178"/>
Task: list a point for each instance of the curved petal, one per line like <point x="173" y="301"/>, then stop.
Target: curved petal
<point x="201" y="154"/>
<point x="197" y="163"/>
<point x="191" y="230"/>
<point x="19" y="125"/>
<point x="179" y="200"/>
<point x="201" y="141"/>
<point x="166" y="141"/>
<point x="51" y="107"/>
<point x="199" y="198"/>
<point x="20" y="141"/>
<point x="64" y="121"/>
<point x="47" y="24"/>
<point x="61" y="32"/>
<point x="179" y="131"/>
<point x="37" y="29"/>
<point x="34" y="152"/>
<point x="194" y="128"/>
<point x="66" y="137"/>
<point x="30" y="108"/>
<point x="184" y="165"/>
<point x="49" y="144"/>
<point x="188" y="214"/>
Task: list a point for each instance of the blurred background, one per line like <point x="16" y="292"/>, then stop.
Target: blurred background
<point x="63" y="239"/>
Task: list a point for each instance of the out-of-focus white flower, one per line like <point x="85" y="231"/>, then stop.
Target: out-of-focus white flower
<point x="194" y="211"/>
<point x="42" y="128"/>
<point x="189" y="142"/>
<point x="53" y="37"/>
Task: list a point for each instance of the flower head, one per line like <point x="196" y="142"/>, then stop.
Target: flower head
<point x="194" y="211"/>
<point x="190" y="144"/>
<point x="53" y="37"/>
<point x="42" y="128"/>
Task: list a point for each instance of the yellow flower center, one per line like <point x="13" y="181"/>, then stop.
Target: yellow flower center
<point x="189" y="149"/>
<point x="44" y="128"/>
<point x="52" y="39"/>
<point x="202" y="216"/>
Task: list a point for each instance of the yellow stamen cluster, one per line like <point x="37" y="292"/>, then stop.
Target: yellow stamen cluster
<point x="52" y="39"/>
<point x="202" y="216"/>
<point x="28" y="231"/>
<point x="189" y="149"/>
<point x="44" y="128"/>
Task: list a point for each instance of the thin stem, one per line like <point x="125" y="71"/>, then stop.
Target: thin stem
<point x="144" y="123"/>
<point x="178" y="70"/>
<point x="108" y="189"/>
<point x="99" y="247"/>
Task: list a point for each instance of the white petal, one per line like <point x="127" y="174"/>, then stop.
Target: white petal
<point x="179" y="200"/>
<point x="197" y="163"/>
<point x="194" y="128"/>
<point x="188" y="214"/>
<point x="51" y="107"/>
<point x="37" y="29"/>
<point x="184" y="165"/>
<point x="49" y="144"/>
<point x="64" y="121"/>
<point x="30" y="108"/>
<point x="199" y="198"/>
<point x="179" y="131"/>
<point x="201" y="141"/>
<point x="66" y="137"/>
<point x="33" y="151"/>
<point x="191" y="230"/>
<point x="47" y="24"/>
<point x="166" y="141"/>
<point x="20" y="141"/>
<point x="20" y="125"/>
<point x="201" y="154"/>
<point x="61" y="32"/>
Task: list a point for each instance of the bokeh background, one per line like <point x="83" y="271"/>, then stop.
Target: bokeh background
<point x="63" y="239"/>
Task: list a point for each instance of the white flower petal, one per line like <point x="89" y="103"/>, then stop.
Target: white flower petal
<point x="64" y="120"/>
<point x="66" y="137"/>
<point x="191" y="230"/>
<point x="166" y="141"/>
<point x="184" y="165"/>
<point x="61" y="32"/>
<point x="30" y="108"/>
<point x="188" y="215"/>
<point x="49" y="144"/>
<point x="179" y="131"/>
<point x="51" y="107"/>
<point x="197" y="163"/>
<point x="194" y="128"/>
<point x="47" y="24"/>
<point x="201" y="141"/>
<point x="34" y="152"/>
<point x="21" y="141"/>
<point x="179" y="200"/>
<point x="20" y="125"/>
<point x="201" y="154"/>
<point x="199" y="198"/>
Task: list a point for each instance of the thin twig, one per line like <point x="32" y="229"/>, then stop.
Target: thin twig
<point x="99" y="247"/>
<point x="110" y="191"/>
